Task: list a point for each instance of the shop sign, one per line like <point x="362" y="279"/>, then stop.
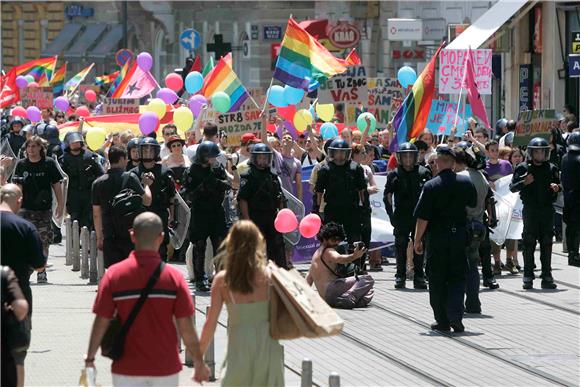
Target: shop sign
<point x="405" y="29"/>
<point x="344" y="35"/>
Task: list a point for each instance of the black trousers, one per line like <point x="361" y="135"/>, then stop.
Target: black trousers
<point x="274" y="240"/>
<point x="485" y="256"/>
<point x="572" y="219"/>
<point x="205" y="224"/>
<point x="538" y="227"/>
<point x="405" y="228"/>
<point x="78" y="205"/>
<point x="116" y="250"/>
<point x="350" y="219"/>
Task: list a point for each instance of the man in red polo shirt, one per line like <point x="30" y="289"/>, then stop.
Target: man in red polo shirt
<point x="150" y="356"/>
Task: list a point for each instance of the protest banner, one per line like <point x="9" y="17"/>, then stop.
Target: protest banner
<point x="451" y="69"/>
<point x="245" y="120"/>
<point x="534" y="123"/>
<point x="442" y="116"/>
<point x="349" y="89"/>
<point x="120" y="106"/>
<point x="385" y="97"/>
<point x="508" y="210"/>
<point x="41" y="97"/>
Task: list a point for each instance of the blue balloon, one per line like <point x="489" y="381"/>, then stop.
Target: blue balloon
<point x="313" y="112"/>
<point x="293" y="95"/>
<point x="276" y="96"/>
<point x="406" y="76"/>
<point x="328" y="130"/>
<point x="193" y="82"/>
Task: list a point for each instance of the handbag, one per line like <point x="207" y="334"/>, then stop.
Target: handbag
<point x="113" y="343"/>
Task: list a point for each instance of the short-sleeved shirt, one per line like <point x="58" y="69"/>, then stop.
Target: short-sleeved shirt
<point x="36" y="180"/>
<point x="290" y="168"/>
<point x="496" y="171"/>
<point x="151" y="346"/>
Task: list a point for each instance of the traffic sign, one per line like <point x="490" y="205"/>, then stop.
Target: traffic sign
<point x="246" y="49"/>
<point x="190" y="39"/>
<point x="574" y="66"/>
<point x="123" y="55"/>
<point x="575" y="41"/>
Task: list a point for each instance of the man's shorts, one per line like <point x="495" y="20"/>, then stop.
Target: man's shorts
<point x="19" y="354"/>
<point x="42" y="221"/>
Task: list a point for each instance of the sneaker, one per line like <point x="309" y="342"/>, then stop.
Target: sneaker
<point x="490" y="283"/>
<point x="573" y="259"/>
<point x="399" y="283"/>
<point x="202" y="286"/>
<point x="548" y="283"/>
<point x="497" y="268"/>
<point x="458" y="327"/>
<point x="528" y="283"/>
<point x="41" y="277"/>
<point x="440" y="327"/>
<point x="511" y="267"/>
<point x="419" y="283"/>
<point x="517" y="264"/>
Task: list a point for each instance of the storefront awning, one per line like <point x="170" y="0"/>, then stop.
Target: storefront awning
<point x="108" y="44"/>
<point x="62" y="40"/>
<point x="90" y="35"/>
<point x="484" y="27"/>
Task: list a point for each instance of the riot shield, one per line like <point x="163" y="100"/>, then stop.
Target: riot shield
<point x="64" y="186"/>
<point x="9" y="156"/>
<point x="181" y="217"/>
<point x="298" y="209"/>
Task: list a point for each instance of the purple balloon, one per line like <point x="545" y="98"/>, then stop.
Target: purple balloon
<point x="196" y="103"/>
<point x="33" y="114"/>
<point x="145" y="61"/>
<point x="61" y="103"/>
<point x="148" y="122"/>
<point x="21" y="82"/>
<point x="167" y="95"/>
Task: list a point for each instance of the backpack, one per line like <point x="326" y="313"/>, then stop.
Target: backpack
<point x="125" y="207"/>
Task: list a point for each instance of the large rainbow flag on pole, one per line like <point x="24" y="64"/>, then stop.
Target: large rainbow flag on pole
<point x="71" y="85"/>
<point x="223" y="78"/>
<point x="37" y="67"/>
<point x="411" y="118"/>
<point x="57" y="80"/>
<point x="304" y="61"/>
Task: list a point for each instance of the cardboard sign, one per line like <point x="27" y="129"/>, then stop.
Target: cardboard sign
<point x="41" y="97"/>
<point x="442" y="116"/>
<point x="534" y="123"/>
<point x="385" y="97"/>
<point x="349" y="88"/>
<point x="452" y="66"/>
<point x="246" y="120"/>
<point x="120" y="106"/>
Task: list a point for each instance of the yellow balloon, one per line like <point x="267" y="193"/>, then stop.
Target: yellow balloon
<point x="157" y="106"/>
<point x="325" y="111"/>
<point x="96" y="138"/>
<point x="302" y="119"/>
<point x="183" y="118"/>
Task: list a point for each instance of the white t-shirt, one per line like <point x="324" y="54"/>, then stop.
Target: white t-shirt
<point x="165" y="151"/>
<point x="191" y="150"/>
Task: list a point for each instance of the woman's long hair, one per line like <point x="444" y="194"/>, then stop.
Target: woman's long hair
<point x="243" y="252"/>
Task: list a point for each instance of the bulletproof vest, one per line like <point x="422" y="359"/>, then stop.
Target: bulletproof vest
<point x="162" y="188"/>
<point x="203" y="185"/>
<point x="408" y="187"/>
<point x="16" y="142"/>
<point x="266" y="188"/>
<point x="539" y="193"/>
<point x="341" y="189"/>
<point x="82" y="170"/>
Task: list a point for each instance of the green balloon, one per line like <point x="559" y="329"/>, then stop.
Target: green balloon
<point x="221" y="102"/>
<point x="30" y="78"/>
<point x="361" y="122"/>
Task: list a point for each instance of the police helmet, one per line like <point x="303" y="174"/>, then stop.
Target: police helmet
<point x="463" y="152"/>
<point x="205" y="151"/>
<point x="445" y="150"/>
<point x="574" y="141"/>
<point x="47" y="131"/>
<point x="72" y="137"/>
<point x="407" y="148"/>
<point x="538" y="143"/>
<point x="260" y="149"/>
<point x="151" y="142"/>
<point x="27" y="128"/>
<point x="500" y="125"/>
<point x="17" y="120"/>
<point x="339" y="145"/>
<point x="133" y="143"/>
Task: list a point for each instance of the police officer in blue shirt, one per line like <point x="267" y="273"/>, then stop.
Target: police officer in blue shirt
<point x="441" y="219"/>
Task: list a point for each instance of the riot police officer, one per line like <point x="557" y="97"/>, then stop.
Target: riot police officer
<point x="162" y="189"/>
<point x="15" y="137"/>
<point x="538" y="183"/>
<point x="133" y="153"/>
<point x="82" y="167"/>
<point x="260" y="197"/>
<point x="204" y="187"/>
<point x="405" y="183"/>
<point x="49" y="132"/>
<point x="571" y="187"/>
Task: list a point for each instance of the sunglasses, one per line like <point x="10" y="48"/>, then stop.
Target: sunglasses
<point x="431" y="162"/>
<point x="177" y="145"/>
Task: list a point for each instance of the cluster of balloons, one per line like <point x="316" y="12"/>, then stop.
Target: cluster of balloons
<point x="283" y="96"/>
<point x="287" y="222"/>
<point x="406" y="76"/>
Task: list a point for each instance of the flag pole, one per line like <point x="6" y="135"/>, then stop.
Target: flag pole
<point x="456" y="111"/>
<point x="81" y="80"/>
<point x="267" y="94"/>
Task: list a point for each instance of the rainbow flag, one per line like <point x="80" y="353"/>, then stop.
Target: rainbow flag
<point x="37" y="67"/>
<point x="411" y="117"/>
<point x="71" y="85"/>
<point x="57" y="80"/>
<point x="223" y="78"/>
<point x="43" y="81"/>
<point x="106" y="78"/>
<point x="119" y="77"/>
<point x="303" y="61"/>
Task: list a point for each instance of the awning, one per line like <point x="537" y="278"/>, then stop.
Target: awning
<point x="62" y="40"/>
<point x="108" y="45"/>
<point x="90" y="35"/>
<point x="484" y="27"/>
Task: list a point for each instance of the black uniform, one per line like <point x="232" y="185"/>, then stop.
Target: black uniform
<point x="538" y="214"/>
<point x="261" y="189"/>
<point x="82" y="170"/>
<point x="16" y="141"/>
<point x="406" y="187"/>
<point x="443" y="204"/>
<point x="204" y="189"/>
<point x="571" y="186"/>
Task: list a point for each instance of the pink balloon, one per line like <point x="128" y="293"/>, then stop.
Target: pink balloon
<point x="83" y="111"/>
<point x="196" y="103"/>
<point x="174" y="81"/>
<point x="167" y="95"/>
<point x="33" y="84"/>
<point x="19" y="111"/>
<point x="285" y="221"/>
<point x="90" y="95"/>
<point x="148" y="123"/>
<point x="310" y="225"/>
<point x="33" y="114"/>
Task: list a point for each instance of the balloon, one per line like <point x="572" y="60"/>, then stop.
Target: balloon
<point x="157" y="106"/>
<point x="90" y="95"/>
<point x="83" y="111"/>
<point x="61" y="103"/>
<point x="221" y="102"/>
<point x="293" y="95"/>
<point x="196" y="103"/>
<point x="285" y="221"/>
<point x="30" y="78"/>
<point x="167" y="95"/>
<point x="310" y="225"/>
<point x="96" y="138"/>
<point x="145" y="61"/>
<point x="276" y="96"/>
<point x="174" y="81"/>
<point x="193" y="82"/>
<point x="19" y="111"/>
<point x="33" y="84"/>
<point x="302" y="119"/>
<point x="33" y="114"/>
<point x="183" y="118"/>
<point x="361" y="122"/>
<point x="325" y="111"/>
<point x="328" y="130"/>
<point x="21" y="82"/>
<point x="148" y="123"/>
<point x="406" y="76"/>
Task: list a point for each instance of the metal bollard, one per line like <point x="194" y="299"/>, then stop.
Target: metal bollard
<point x="334" y="380"/>
<point x="85" y="242"/>
<point x="100" y="265"/>
<point x="76" y="246"/>
<point x="210" y="354"/>
<point x="68" y="245"/>
<point x="93" y="259"/>
<point x="188" y="358"/>
<point x="306" y="378"/>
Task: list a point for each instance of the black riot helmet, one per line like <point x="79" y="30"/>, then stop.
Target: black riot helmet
<point x="574" y="141"/>
<point x="205" y="151"/>
<point x="17" y="120"/>
<point x="148" y="142"/>
<point x="540" y="144"/>
<point x="47" y="131"/>
<point x="500" y="125"/>
<point x="407" y="148"/>
<point x="133" y="144"/>
<point x="72" y="137"/>
<point x="257" y="150"/>
<point x="337" y="148"/>
<point x="27" y="128"/>
<point x="462" y="153"/>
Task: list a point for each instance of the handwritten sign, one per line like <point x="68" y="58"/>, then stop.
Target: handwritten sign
<point x="452" y="66"/>
<point x="442" y="116"/>
<point x="246" y="120"/>
<point x="120" y="106"/>
<point x="385" y="97"/>
<point x="534" y="123"/>
<point x="349" y="88"/>
<point x="41" y="97"/>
